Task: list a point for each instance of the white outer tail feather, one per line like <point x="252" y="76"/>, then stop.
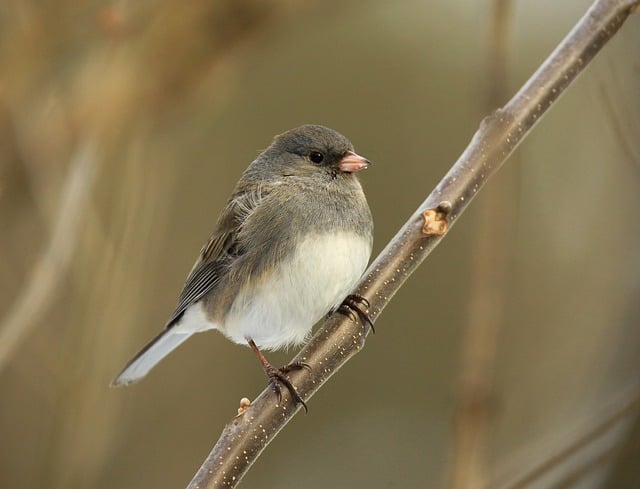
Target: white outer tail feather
<point x="194" y="320"/>
<point x="150" y="355"/>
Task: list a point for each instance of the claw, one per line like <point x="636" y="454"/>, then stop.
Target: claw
<point x="353" y="306"/>
<point x="295" y="366"/>
<point x="279" y="376"/>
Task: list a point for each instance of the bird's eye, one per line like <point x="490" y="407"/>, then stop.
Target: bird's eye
<point x="316" y="156"/>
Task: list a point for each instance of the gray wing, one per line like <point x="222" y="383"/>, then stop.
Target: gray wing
<point x="222" y="248"/>
<point x="199" y="282"/>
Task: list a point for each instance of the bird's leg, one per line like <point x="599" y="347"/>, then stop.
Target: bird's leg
<point x="279" y="375"/>
<point x="356" y="308"/>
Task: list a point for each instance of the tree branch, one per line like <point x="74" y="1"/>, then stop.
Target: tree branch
<point x="247" y="435"/>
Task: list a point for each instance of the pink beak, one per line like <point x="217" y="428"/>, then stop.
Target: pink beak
<point x="351" y="163"/>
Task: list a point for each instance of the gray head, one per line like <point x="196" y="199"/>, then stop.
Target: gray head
<point x="309" y="148"/>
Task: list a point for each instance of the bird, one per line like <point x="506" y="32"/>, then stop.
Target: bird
<point x="289" y="246"/>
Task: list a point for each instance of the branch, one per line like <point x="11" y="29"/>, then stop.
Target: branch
<point x="247" y="435"/>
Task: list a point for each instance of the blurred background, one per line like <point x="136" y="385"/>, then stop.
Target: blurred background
<point x="125" y="125"/>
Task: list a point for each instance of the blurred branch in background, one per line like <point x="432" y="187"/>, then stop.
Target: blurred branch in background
<point x="51" y="268"/>
<point x="625" y="128"/>
<point x="584" y="445"/>
<point x="247" y="435"/>
<point x="492" y="254"/>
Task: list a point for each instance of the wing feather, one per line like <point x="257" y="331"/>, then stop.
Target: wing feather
<point x="218" y="253"/>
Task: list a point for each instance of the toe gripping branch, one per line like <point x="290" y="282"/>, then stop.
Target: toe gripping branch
<point x="356" y="308"/>
<point x="278" y="376"/>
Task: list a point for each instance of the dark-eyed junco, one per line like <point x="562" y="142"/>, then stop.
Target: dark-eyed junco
<point x="290" y="244"/>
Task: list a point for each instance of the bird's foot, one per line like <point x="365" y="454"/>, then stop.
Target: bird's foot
<point x="278" y="377"/>
<point x="356" y="308"/>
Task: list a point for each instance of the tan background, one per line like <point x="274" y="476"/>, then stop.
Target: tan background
<point x="173" y="101"/>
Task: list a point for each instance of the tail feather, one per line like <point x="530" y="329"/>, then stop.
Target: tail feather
<point x="150" y="355"/>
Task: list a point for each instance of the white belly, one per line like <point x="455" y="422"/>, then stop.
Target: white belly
<point x="282" y="310"/>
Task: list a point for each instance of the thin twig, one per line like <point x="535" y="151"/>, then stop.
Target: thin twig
<point x="51" y="267"/>
<point x="247" y="435"/>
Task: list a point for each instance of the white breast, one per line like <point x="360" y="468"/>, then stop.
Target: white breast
<point x="282" y="310"/>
